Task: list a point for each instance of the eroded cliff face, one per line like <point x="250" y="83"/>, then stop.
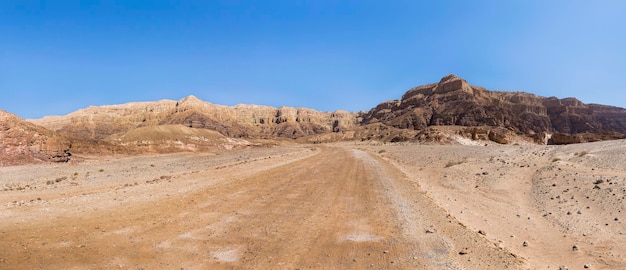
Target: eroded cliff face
<point x="570" y="116"/>
<point x="240" y="121"/>
<point x="453" y="101"/>
<point x="22" y="142"/>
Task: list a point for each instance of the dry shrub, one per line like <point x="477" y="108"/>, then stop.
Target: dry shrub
<point x="453" y="163"/>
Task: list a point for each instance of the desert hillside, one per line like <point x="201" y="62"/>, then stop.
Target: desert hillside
<point x="240" y="121"/>
<point x="22" y="142"/>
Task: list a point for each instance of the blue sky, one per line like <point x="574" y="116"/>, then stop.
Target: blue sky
<point x="59" y="56"/>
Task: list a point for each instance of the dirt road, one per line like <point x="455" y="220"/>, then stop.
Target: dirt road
<point x="331" y="208"/>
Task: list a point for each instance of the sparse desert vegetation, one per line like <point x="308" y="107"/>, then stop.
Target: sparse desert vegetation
<point x="453" y="163"/>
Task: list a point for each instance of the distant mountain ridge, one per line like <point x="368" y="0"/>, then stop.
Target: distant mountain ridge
<point x="434" y="112"/>
<point x="240" y="121"/>
<point x="107" y="128"/>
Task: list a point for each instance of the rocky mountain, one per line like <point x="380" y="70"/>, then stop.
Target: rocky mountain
<point x="439" y="112"/>
<point x="22" y="142"/>
<point x="93" y="129"/>
<point x="454" y="102"/>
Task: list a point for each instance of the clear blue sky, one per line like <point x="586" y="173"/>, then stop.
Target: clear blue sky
<point x="59" y="56"/>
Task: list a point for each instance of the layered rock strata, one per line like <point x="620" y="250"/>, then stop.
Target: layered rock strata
<point x="453" y="101"/>
<point x="22" y="142"/>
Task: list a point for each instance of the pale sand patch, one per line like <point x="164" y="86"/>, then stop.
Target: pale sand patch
<point x="361" y="237"/>
<point x="225" y="255"/>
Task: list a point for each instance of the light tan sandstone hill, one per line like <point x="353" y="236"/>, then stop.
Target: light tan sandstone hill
<point x="189" y="124"/>
<point x="23" y="142"/>
<point x="240" y="121"/>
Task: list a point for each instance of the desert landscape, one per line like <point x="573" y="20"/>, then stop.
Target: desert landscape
<point x="451" y="176"/>
<point x="346" y="205"/>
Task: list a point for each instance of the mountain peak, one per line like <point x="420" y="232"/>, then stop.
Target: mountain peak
<point x="450" y="77"/>
<point x="190" y="99"/>
<point x="452" y="82"/>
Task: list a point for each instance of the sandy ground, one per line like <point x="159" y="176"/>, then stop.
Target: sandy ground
<point x="341" y="206"/>
<point x="565" y="202"/>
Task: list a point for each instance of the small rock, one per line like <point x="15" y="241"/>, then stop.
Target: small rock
<point x="525" y="243"/>
<point x="385" y="251"/>
<point x="462" y="252"/>
<point x="431" y="230"/>
<point x="482" y="232"/>
<point x="575" y="248"/>
<point x="587" y="266"/>
<point x="616" y="219"/>
<point x="569" y="213"/>
<point x="579" y="212"/>
<point x="563" y="267"/>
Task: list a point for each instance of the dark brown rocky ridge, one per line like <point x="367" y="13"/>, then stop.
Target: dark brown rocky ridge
<point x="454" y="102"/>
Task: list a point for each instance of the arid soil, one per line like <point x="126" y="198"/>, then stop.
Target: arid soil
<point x="565" y="202"/>
<point x="339" y="206"/>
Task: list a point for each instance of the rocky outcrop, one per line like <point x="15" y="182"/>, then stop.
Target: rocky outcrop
<point x="498" y="135"/>
<point x="453" y="101"/>
<point x="22" y="142"/>
<point x="559" y="138"/>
